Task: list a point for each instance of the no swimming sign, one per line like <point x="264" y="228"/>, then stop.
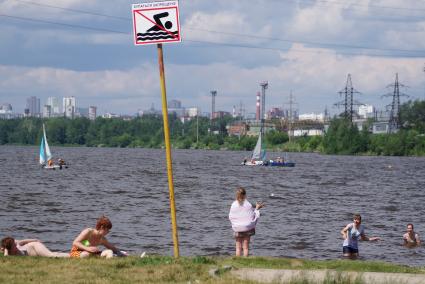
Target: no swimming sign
<point x="156" y="22"/>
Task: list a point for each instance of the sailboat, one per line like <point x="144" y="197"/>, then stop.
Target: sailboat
<point x="258" y="157"/>
<point x="45" y="155"/>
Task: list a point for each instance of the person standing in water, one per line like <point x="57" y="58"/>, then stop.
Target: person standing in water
<point x="351" y="234"/>
<point x="87" y="242"/>
<point x="244" y="218"/>
<point x="411" y="238"/>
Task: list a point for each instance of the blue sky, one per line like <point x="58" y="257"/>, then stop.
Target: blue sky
<point x="70" y="48"/>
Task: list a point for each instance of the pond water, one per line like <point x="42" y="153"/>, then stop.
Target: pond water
<point x="312" y="202"/>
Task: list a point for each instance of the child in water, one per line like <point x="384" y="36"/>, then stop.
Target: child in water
<point x="351" y="234"/>
<point x="87" y="242"/>
<point x="244" y="219"/>
<point x="30" y="247"/>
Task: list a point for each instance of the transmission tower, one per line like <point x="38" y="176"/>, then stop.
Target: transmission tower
<point x="424" y="72"/>
<point x="264" y="85"/>
<point x="291" y="103"/>
<point x="348" y="102"/>
<point x="394" y="122"/>
<point x="326" y="114"/>
<point x="213" y="95"/>
<point x="241" y="110"/>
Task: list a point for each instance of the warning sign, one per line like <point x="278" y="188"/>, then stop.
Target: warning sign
<point x="156" y="22"/>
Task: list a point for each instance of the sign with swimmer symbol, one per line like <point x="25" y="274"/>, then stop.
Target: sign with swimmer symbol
<point x="156" y="22"/>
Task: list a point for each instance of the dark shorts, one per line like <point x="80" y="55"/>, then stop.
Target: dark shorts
<point x="349" y="250"/>
<point x="244" y="234"/>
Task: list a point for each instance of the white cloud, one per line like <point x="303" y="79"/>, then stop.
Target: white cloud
<point x="319" y="20"/>
<point x="315" y="75"/>
<point x="230" y="22"/>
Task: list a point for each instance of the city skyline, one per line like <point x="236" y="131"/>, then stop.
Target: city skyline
<point x="304" y="47"/>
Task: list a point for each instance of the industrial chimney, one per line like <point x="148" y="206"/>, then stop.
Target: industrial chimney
<point x="257" y="113"/>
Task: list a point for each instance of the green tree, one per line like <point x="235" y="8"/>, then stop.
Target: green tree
<point x="342" y="137"/>
<point x="412" y="115"/>
<point x="274" y="137"/>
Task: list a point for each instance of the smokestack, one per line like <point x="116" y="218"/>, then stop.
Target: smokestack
<point x="257" y="113"/>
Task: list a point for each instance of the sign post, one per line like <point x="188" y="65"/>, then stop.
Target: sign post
<point x="157" y="23"/>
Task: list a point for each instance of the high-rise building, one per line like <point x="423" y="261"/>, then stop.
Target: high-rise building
<point x="192" y="111"/>
<point x="92" y="112"/>
<point x="47" y="111"/>
<point x="5" y="108"/>
<point x="33" y="106"/>
<point x="69" y="107"/>
<point x="53" y="102"/>
<point x="174" y="104"/>
<point x="366" y="111"/>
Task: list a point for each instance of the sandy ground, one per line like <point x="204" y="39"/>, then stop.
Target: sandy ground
<point x="318" y="276"/>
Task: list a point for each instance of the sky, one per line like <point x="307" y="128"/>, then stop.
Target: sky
<point x="85" y="49"/>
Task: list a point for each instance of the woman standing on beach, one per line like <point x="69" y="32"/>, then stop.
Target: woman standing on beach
<point x="87" y="241"/>
<point x="244" y="218"/>
<point x="351" y="234"/>
<point x="30" y="247"/>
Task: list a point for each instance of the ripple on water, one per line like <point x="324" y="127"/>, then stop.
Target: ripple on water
<point x="310" y="204"/>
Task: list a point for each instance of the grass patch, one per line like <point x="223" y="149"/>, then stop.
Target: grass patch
<point x="340" y="265"/>
<point x="164" y="269"/>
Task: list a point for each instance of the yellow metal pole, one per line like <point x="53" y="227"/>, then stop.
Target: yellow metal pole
<point x="168" y="150"/>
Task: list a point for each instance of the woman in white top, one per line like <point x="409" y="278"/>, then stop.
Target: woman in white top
<point x="244" y="218"/>
<point x="31" y="247"/>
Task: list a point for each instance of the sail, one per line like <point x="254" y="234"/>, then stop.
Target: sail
<point x="42" y="152"/>
<point x="259" y="151"/>
<point x="47" y="148"/>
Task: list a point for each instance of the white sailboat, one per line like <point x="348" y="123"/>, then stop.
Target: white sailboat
<point x="258" y="155"/>
<point x="46" y="157"/>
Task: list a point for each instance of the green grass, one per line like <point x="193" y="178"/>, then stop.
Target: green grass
<point x="163" y="269"/>
<point x="343" y="265"/>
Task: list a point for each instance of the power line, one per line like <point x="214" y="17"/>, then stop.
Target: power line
<point x="73" y="10"/>
<point x="363" y="5"/>
<point x="309" y="42"/>
<point x="234" y="34"/>
<point x="302" y="50"/>
<point x="408" y="17"/>
<point x="61" y="24"/>
<point x="234" y="44"/>
<point x="295" y="2"/>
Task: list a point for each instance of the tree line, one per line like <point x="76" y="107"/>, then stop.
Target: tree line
<point x="342" y="137"/>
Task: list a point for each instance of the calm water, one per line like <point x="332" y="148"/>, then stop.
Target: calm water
<point x="314" y="201"/>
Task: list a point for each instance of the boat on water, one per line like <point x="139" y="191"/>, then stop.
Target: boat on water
<point x="46" y="158"/>
<point x="258" y="157"/>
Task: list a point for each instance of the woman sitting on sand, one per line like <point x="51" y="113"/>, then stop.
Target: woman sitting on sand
<point x="87" y="241"/>
<point x="31" y="247"/>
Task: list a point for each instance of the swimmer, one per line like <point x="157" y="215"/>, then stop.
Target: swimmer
<point x="411" y="238"/>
